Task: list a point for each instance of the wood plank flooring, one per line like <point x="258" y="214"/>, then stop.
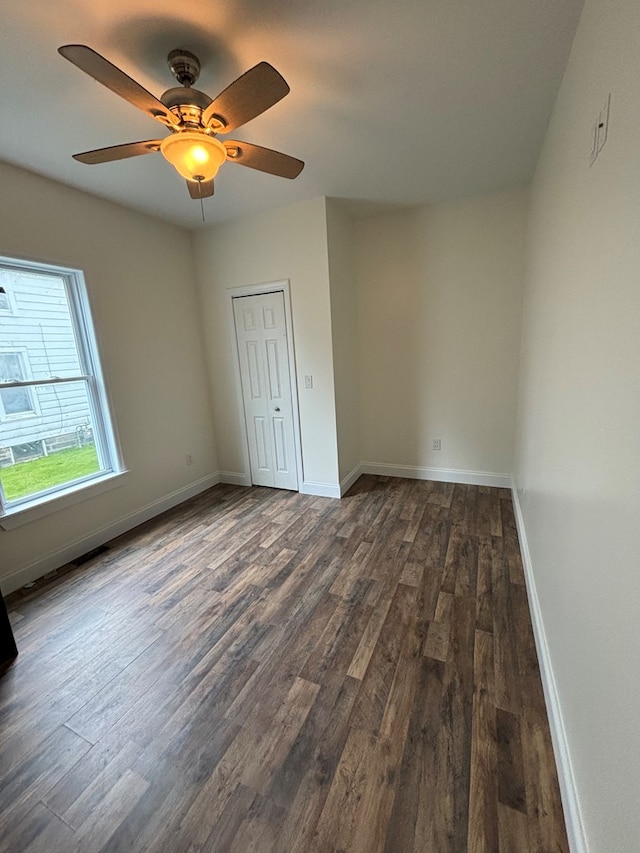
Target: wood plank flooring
<point x="267" y="672"/>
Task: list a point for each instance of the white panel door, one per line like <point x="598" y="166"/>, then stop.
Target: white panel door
<point x="261" y="335"/>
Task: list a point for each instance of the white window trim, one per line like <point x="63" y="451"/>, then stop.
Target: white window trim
<point x="107" y="444"/>
<point x="72" y="495"/>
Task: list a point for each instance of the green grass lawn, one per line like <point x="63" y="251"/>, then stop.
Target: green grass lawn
<point x="27" y="478"/>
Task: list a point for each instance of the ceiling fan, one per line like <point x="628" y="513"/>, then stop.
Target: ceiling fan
<point x="193" y="118"/>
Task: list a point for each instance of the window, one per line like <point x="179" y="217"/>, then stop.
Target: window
<point x="14" y="402"/>
<point x="56" y="434"/>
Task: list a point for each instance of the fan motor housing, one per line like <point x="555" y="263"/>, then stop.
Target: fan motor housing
<point x="186" y="102"/>
<point x="184" y="96"/>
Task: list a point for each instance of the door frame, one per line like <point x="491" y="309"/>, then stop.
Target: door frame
<point x="283" y="287"/>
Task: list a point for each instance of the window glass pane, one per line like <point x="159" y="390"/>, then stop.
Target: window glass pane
<point x="59" y="449"/>
<point x="16" y="401"/>
<point x="10" y="366"/>
<point x="4" y="300"/>
<point x="43" y="323"/>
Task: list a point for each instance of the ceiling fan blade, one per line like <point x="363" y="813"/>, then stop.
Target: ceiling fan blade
<point x="200" y="189"/>
<point x="263" y="159"/>
<point x="251" y="94"/>
<point x="118" y="152"/>
<point x="113" y="78"/>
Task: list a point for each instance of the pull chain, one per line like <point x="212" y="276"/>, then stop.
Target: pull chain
<point x="199" y="179"/>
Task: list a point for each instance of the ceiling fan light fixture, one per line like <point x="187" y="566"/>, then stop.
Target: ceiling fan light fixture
<point x="193" y="118"/>
<point x="194" y="155"/>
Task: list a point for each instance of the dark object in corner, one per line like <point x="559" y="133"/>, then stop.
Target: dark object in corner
<point x="8" y="648"/>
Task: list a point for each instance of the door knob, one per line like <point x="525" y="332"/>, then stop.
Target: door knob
<point x="277" y="408"/>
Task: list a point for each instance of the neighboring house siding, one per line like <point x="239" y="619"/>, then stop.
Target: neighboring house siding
<point x="37" y="313"/>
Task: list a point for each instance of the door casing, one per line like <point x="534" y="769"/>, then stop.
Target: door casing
<point x="255" y="290"/>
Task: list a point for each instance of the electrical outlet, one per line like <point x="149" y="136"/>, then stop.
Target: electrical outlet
<point x="436" y="444"/>
<point x="308" y="381"/>
<point x="188" y="459"/>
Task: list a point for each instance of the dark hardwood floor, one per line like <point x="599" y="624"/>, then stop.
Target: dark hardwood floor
<point x="259" y="670"/>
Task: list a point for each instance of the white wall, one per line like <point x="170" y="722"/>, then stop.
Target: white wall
<point x="140" y="282"/>
<point x="578" y="454"/>
<point x="439" y="295"/>
<point x="344" y="329"/>
<point x="286" y="243"/>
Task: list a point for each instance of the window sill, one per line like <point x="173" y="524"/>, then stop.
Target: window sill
<point x="39" y="508"/>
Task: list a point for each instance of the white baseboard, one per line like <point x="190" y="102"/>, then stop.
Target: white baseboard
<point x="104" y="534"/>
<point x="350" y="479"/>
<point x="568" y="790"/>
<point x="322" y="490"/>
<point x="234" y="478"/>
<point x="331" y="490"/>
<point x="440" y="475"/>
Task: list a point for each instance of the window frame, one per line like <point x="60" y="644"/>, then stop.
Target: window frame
<point x="21" y="510"/>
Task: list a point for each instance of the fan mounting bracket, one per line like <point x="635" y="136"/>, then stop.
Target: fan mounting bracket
<point x="184" y="65"/>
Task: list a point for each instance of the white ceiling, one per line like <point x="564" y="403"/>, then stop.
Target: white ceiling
<point x="392" y="101"/>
